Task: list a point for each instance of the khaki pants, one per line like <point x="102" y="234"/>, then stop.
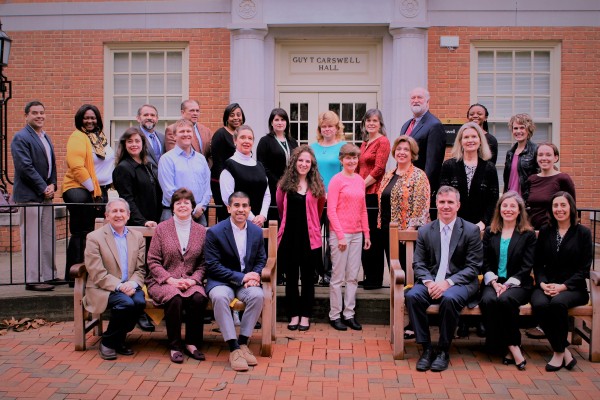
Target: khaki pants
<point x="37" y="242"/>
<point x="345" y="268"/>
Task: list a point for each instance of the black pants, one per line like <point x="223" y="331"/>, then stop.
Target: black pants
<point x="124" y="313"/>
<point x="451" y="304"/>
<point x="324" y="269"/>
<point x="553" y="314"/>
<point x="372" y="259"/>
<point x="501" y="315"/>
<point x="299" y="303"/>
<point x="82" y="219"/>
<point x="194" y="320"/>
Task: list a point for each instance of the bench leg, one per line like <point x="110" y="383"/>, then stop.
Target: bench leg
<point x="398" y="326"/>
<point x="78" y="326"/>
<point x="266" y="348"/>
<point x="595" y="336"/>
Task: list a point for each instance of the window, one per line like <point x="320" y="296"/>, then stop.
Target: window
<point x="351" y="115"/>
<point x="146" y="75"/>
<point x="513" y="78"/>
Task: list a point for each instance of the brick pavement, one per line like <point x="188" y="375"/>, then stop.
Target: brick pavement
<point x="321" y="363"/>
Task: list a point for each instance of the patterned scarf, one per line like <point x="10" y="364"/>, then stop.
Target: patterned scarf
<point x="99" y="142"/>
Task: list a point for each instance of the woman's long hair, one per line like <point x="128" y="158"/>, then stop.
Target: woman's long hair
<point x="289" y="181"/>
<point x="522" y="224"/>
<point x="122" y="152"/>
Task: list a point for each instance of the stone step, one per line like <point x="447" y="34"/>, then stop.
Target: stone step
<point x="372" y="307"/>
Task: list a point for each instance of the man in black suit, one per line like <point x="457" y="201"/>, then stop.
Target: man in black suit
<point x="429" y="133"/>
<point x="235" y="256"/>
<point x="35" y="183"/>
<point x="448" y="257"/>
<point x="147" y="116"/>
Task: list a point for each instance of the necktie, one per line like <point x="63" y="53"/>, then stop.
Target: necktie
<point x="410" y="127"/>
<point x="445" y="241"/>
<point x="155" y="145"/>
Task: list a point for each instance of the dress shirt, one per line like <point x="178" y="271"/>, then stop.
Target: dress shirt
<point x="48" y="150"/>
<point x="227" y="184"/>
<point x="240" y="236"/>
<point x="176" y="169"/>
<point x="121" y="242"/>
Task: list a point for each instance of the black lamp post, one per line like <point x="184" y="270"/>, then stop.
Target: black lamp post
<point x="5" y="95"/>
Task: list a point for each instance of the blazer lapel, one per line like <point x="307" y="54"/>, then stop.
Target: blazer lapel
<point x="437" y="239"/>
<point x="38" y="142"/>
<point x="230" y="239"/>
<point x="514" y="241"/>
<point x="456" y="234"/>
<point x="132" y="253"/>
<point x="112" y="246"/>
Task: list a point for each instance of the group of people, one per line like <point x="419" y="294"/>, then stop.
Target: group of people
<point x="166" y="181"/>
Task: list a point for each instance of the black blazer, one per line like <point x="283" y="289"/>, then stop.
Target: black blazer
<point x="521" y="251"/>
<point x="570" y="264"/>
<point x="431" y="138"/>
<point x="138" y="185"/>
<point x="31" y="166"/>
<point x="465" y="257"/>
<point x="272" y="157"/>
<point x="477" y="204"/>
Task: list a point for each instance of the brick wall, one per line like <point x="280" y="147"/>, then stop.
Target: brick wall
<point x="449" y="85"/>
<point x="65" y="69"/>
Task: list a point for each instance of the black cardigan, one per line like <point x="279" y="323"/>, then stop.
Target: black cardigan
<point x="138" y="185"/>
<point x="570" y="264"/>
<point x="272" y="157"/>
<point x="478" y="203"/>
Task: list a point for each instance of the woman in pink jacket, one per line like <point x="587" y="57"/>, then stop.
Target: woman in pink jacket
<point x="300" y="200"/>
<point x="176" y="263"/>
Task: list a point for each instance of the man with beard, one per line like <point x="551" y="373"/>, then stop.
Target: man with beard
<point x="147" y="116"/>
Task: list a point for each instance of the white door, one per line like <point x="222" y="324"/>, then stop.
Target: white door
<point x="304" y="108"/>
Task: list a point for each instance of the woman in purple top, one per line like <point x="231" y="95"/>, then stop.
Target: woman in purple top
<point x="541" y="187"/>
<point x="300" y="201"/>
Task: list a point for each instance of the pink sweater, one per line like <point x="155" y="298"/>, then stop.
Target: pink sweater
<point x="346" y="207"/>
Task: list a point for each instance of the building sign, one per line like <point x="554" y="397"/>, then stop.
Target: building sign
<point x="451" y="127"/>
<point x="332" y="62"/>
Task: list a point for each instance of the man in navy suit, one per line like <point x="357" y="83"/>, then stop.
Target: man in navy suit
<point x="235" y="255"/>
<point x="448" y="257"/>
<point x="429" y="133"/>
<point x="35" y="183"/>
<point x="147" y="116"/>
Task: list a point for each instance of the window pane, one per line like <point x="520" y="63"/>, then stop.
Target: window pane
<point x="121" y="106"/>
<point x="138" y="62"/>
<point x="485" y="61"/>
<point x="500" y="131"/>
<point x="504" y="107"/>
<point x="488" y="102"/>
<point x="157" y="84"/>
<point x="347" y="111"/>
<point x="504" y="84"/>
<point x="174" y="84"/>
<point x="138" y="84"/>
<point x="523" y="61"/>
<point x="294" y="130"/>
<point x="304" y="111"/>
<point x="293" y="112"/>
<point x="542" y="133"/>
<point x="541" y="84"/>
<point x="137" y="102"/>
<point x="174" y="61"/>
<point x="121" y="84"/>
<point x="158" y="103"/>
<point x="360" y="111"/>
<point x="121" y="62"/>
<point x="541" y="107"/>
<point x="304" y="132"/>
<point x="485" y="84"/>
<point x="335" y="107"/>
<point x="523" y="105"/>
<point x="173" y="105"/>
<point x="541" y="61"/>
<point x="504" y="61"/>
<point x="119" y="128"/>
<point x="522" y="84"/>
<point x="157" y="62"/>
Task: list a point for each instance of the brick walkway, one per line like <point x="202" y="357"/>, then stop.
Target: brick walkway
<point x="321" y="363"/>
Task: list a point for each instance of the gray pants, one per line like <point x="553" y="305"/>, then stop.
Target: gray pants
<point x="221" y="297"/>
<point x="37" y="242"/>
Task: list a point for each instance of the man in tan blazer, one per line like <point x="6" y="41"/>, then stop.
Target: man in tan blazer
<point x="202" y="137"/>
<point x="114" y="258"/>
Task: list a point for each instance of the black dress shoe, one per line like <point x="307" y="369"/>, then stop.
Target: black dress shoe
<point x="481" y="330"/>
<point x="571" y="365"/>
<point x="107" y="353"/>
<point x="39" y="287"/>
<point x="554" y="368"/>
<point x="441" y="361"/>
<point x="124" y="350"/>
<point x="292" y="327"/>
<point x="424" y="362"/>
<point x="351" y="322"/>
<point x="145" y="323"/>
<point x="338" y="324"/>
<point x="56" y="282"/>
<point x="304" y="328"/>
<point x="196" y="354"/>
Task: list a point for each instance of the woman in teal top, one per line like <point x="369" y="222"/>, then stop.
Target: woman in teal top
<point x="509" y="248"/>
<point x="330" y="135"/>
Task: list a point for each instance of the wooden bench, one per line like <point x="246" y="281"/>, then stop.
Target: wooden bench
<point x="86" y="321"/>
<point x="586" y="319"/>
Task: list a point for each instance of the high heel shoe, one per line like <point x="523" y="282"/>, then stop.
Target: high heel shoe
<point x="508" y="361"/>
<point x="571" y="364"/>
<point x="521" y="366"/>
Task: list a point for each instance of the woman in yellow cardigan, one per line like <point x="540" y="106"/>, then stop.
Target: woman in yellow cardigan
<point x="90" y="162"/>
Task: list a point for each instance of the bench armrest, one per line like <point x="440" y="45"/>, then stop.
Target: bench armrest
<point x="595" y="278"/>
<point x="78" y="271"/>
<point x="268" y="272"/>
<point x="398" y="275"/>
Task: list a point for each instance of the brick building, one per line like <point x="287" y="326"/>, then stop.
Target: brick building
<point x="535" y="56"/>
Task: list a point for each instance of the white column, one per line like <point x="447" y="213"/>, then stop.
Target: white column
<point x="409" y="70"/>
<point x="248" y="75"/>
